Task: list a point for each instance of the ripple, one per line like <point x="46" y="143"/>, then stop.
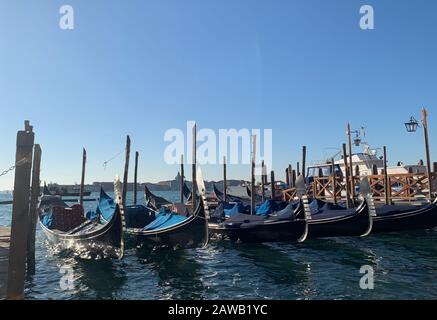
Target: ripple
<point x="405" y="266"/>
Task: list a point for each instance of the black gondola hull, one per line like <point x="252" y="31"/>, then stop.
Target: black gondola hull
<point x="276" y="231"/>
<point x="420" y="219"/>
<point x="192" y="232"/>
<point x="106" y="241"/>
<point x="356" y="225"/>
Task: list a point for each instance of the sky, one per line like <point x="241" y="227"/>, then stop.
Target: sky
<point x="303" y="68"/>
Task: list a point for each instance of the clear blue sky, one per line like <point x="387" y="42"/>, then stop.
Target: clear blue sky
<point x="303" y="68"/>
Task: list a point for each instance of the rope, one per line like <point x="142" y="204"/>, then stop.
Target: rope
<point x="105" y="164"/>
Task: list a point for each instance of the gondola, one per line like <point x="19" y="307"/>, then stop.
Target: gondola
<point x="157" y="202"/>
<point x="69" y="228"/>
<point x="187" y="193"/>
<point x="330" y="220"/>
<point x="279" y="226"/>
<point x="394" y="218"/>
<point x="221" y="196"/>
<point x="335" y="221"/>
<point x="164" y="227"/>
<point x="258" y="198"/>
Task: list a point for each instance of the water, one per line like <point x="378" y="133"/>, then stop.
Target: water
<point x="405" y="266"/>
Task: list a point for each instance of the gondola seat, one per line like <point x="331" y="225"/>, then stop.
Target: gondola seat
<point x="320" y="207"/>
<point x="182" y="209"/>
<point x="328" y="214"/>
<point x="65" y="219"/>
<point x="238" y="219"/>
<point x="138" y="216"/>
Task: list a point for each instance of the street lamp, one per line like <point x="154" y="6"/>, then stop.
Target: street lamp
<point x="411" y="126"/>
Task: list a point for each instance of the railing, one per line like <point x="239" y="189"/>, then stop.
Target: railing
<point x="401" y="187"/>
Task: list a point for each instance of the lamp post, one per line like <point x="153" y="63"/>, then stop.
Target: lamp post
<point x="351" y="172"/>
<point x="411" y="127"/>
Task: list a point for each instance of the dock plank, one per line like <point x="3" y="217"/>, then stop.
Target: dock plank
<point x="5" y="234"/>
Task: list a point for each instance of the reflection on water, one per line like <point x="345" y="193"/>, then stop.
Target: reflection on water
<point x="178" y="274"/>
<point x="273" y="267"/>
<point x="405" y="267"/>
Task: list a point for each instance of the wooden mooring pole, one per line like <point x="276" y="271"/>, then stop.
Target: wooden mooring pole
<point x="252" y="177"/>
<point x="33" y="211"/>
<point x="428" y="155"/>
<point x="334" y="181"/>
<point x="290" y="176"/>
<point x="82" y="179"/>
<point x="136" y="177"/>
<point x="272" y="184"/>
<point x="182" y="179"/>
<point x="263" y="185"/>
<point x="126" y="173"/>
<point x="225" y="182"/>
<point x="387" y="191"/>
<point x="346" y="176"/>
<point x="20" y="214"/>
<point x="351" y="169"/>
<point x="194" y="170"/>
<point x="304" y="160"/>
<point x="287" y="178"/>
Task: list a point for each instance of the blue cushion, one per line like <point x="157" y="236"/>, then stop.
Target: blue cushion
<point x="48" y="220"/>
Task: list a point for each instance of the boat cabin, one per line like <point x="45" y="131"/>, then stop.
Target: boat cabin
<point x="322" y="170"/>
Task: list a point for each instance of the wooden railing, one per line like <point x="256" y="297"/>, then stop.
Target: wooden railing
<point x="401" y="187"/>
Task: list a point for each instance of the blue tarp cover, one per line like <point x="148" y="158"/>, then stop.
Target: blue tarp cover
<point x="92" y="215"/>
<point x="237" y="208"/>
<point x="265" y="208"/>
<point x="165" y="220"/>
<point x="269" y="207"/>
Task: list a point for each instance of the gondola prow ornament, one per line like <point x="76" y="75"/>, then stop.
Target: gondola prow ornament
<point x="301" y="193"/>
<point x="202" y="192"/>
<point x="366" y="195"/>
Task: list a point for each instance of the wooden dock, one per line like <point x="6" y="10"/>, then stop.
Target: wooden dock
<point x="5" y="233"/>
